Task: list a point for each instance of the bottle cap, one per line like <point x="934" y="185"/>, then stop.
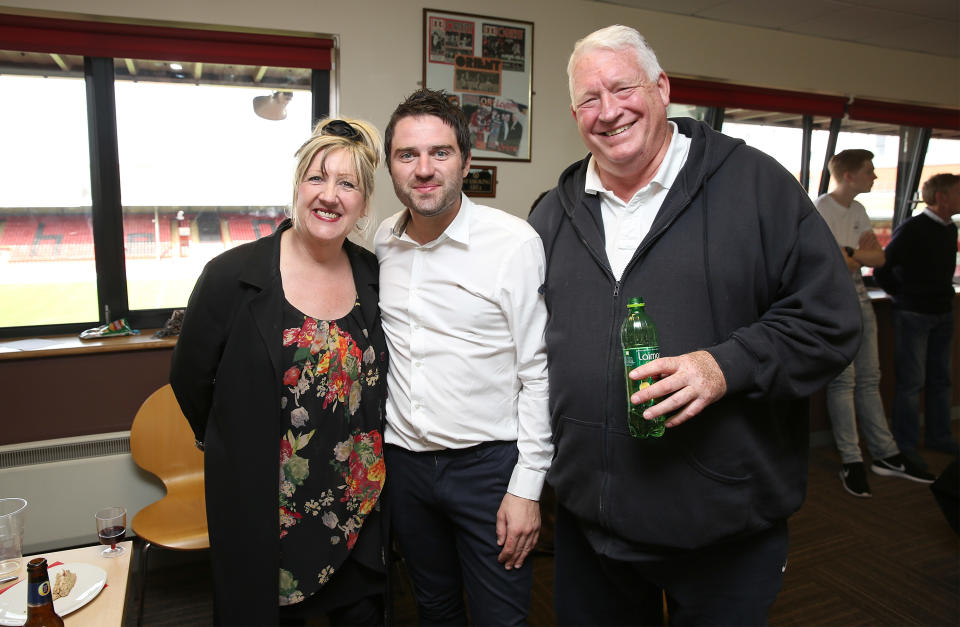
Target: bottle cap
<point x="635" y="301"/>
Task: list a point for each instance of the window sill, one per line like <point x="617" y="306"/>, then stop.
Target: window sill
<point x="64" y="345"/>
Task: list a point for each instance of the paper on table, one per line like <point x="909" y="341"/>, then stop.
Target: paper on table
<point x="32" y="344"/>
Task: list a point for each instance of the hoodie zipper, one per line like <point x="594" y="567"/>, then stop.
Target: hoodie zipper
<point x="604" y="480"/>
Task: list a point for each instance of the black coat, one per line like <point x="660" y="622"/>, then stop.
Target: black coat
<point x="226" y="376"/>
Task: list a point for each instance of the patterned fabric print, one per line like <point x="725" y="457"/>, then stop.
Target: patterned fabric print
<point x="359" y="459"/>
<point x="331" y="466"/>
<point x="337" y="359"/>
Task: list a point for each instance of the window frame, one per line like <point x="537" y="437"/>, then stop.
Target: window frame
<point x="100" y="43"/>
<point x="915" y="121"/>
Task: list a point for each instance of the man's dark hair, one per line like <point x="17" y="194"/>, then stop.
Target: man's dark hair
<point x="436" y="103"/>
<point x="937" y="183"/>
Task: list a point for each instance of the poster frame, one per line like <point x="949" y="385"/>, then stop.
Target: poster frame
<point x="486" y="64"/>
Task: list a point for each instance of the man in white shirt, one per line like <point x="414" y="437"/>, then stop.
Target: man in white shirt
<point x="854" y="396"/>
<point x="468" y="432"/>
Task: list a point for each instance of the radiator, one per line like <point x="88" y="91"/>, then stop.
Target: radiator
<point x="66" y="481"/>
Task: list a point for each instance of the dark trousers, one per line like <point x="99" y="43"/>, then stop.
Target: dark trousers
<point x="444" y="507"/>
<point x="734" y="583"/>
<point x="367" y="612"/>
<point x="353" y="597"/>
<point x="923" y="344"/>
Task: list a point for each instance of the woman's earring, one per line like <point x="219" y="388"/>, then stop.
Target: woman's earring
<point x="362" y="223"/>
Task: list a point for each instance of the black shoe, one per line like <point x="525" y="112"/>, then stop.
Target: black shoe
<point x="854" y="480"/>
<point x="900" y="466"/>
<point x="913" y="457"/>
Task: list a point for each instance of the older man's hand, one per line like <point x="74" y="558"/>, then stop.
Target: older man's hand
<point x="692" y="382"/>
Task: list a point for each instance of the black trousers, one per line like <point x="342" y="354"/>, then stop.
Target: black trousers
<point x="445" y="507"/>
<point x="733" y="583"/>
<point x="354" y="597"/>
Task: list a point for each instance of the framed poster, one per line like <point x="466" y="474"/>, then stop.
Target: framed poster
<point x="486" y="63"/>
<point x="481" y="180"/>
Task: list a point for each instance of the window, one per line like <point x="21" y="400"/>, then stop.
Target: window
<point x="47" y="272"/>
<point x="196" y="159"/>
<point x="780" y="135"/>
<point x="176" y="136"/>
<point x="879" y="202"/>
<point x="687" y="111"/>
<point x="943" y="155"/>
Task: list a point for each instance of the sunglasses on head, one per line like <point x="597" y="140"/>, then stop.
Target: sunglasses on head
<point x="339" y="128"/>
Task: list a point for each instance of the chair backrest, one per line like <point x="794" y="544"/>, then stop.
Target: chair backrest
<point x="161" y="441"/>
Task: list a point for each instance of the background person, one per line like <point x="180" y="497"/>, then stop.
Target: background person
<point x="468" y="435"/>
<point x="754" y="313"/>
<point x="853" y="397"/>
<point x="921" y="261"/>
<point x="281" y="368"/>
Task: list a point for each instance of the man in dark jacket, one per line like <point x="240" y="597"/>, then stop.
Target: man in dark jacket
<point x="754" y="312"/>
<point x="921" y="261"/>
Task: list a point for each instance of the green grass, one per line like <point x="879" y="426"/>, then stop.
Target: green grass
<point x="35" y="304"/>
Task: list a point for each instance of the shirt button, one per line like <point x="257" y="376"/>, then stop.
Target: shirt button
<point x="417" y="364"/>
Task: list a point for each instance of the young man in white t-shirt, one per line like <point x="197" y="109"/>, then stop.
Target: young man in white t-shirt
<point x="854" y="396"/>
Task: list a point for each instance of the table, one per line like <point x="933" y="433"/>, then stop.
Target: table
<point x="106" y="610"/>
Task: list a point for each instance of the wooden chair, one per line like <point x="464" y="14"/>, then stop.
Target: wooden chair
<point x="162" y="443"/>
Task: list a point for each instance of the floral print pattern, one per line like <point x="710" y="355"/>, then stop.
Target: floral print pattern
<point x="331" y="465"/>
<point x="328" y="359"/>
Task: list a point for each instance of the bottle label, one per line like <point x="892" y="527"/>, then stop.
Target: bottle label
<point x="638" y="355"/>
<point x="639" y="426"/>
<point x="635" y="357"/>
<point x="38" y="593"/>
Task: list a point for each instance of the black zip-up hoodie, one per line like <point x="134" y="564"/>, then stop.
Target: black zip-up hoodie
<point x="737" y="262"/>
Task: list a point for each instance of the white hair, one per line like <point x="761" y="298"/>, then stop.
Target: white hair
<point x="616" y="37"/>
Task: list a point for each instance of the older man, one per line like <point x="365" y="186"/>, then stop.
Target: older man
<point x="754" y="312"/>
<point x="921" y="262"/>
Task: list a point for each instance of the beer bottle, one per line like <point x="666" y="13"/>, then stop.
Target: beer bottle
<point x="638" y="336"/>
<point x="40" y="612"/>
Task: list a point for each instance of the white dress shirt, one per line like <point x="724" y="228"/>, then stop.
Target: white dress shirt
<point x="465" y="324"/>
<point x="625" y="224"/>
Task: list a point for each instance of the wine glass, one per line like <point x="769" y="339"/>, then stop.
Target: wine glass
<point x="111" y="529"/>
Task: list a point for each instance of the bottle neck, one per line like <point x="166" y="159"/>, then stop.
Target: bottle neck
<point x="38" y="591"/>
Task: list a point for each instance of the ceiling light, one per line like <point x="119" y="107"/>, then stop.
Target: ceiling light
<point x="274" y="106"/>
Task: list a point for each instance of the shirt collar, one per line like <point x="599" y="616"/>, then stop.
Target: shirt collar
<point x="935" y="217"/>
<point x="458" y="230"/>
<point x="666" y="174"/>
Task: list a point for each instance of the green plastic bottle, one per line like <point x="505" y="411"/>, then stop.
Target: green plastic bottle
<point x="638" y="336"/>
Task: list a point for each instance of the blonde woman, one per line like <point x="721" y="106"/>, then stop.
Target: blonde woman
<point x="281" y="369"/>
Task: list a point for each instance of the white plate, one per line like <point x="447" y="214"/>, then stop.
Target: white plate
<point x="90" y="581"/>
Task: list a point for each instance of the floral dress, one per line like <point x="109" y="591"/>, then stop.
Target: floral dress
<point x="331" y="464"/>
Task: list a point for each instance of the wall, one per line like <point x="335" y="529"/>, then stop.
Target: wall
<point x="73" y="395"/>
<point x="381" y="61"/>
